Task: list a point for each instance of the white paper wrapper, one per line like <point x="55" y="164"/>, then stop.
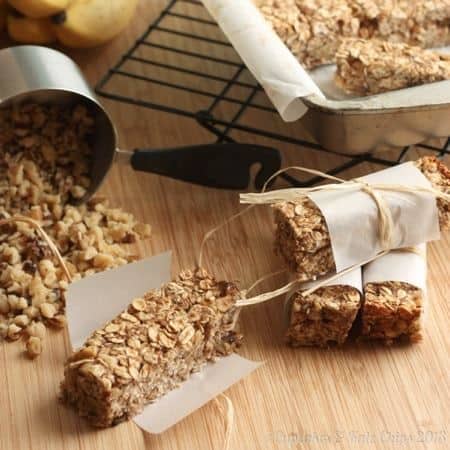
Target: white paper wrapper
<point x="352" y="278"/>
<point x="352" y="216"/>
<point x="270" y="61"/>
<point x="400" y="265"/>
<point x="95" y="300"/>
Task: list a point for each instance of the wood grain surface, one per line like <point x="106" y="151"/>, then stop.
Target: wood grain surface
<point x="358" y="396"/>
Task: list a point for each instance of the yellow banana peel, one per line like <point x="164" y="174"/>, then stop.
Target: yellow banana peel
<point x="89" y="23"/>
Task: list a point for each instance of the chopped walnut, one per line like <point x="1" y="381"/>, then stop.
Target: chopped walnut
<point x="44" y="165"/>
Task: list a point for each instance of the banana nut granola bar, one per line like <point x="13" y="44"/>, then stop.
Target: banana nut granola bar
<point x="44" y="166"/>
<point x="313" y="29"/>
<point x="302" y="237"/>
<point x="323" y="317"/>
<point x="367" y="67"/>
<point x="151" y="347"/>
<point x="392" y="311"/>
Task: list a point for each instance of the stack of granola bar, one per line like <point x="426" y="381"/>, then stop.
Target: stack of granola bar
<point x="390" y="309"/>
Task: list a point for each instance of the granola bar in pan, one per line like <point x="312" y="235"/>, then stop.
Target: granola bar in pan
<point x="313" y="29"/>
<point x="151" y="347"/>
<point x="302" y="237"/>
<point x="367" y="67"/>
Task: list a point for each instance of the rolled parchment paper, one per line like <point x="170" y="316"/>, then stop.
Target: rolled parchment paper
<point x="266" y="56"/>
<point x="326" y="315"/>
<point x="395" y="296"/>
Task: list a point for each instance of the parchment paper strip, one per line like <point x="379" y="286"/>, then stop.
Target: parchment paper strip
<point x="352" y="216"/>
<point x="399" y="265"/>
<point x="268" y="59"/>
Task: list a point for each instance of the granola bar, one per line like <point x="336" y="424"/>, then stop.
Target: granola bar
<point x="302" y="238"/>
<point x="151" y="347"/>
<point x="367" y="67"/>
<point x="313" y="29"/>
<point x="392" y="311"/>
<point x="323" y="317"/>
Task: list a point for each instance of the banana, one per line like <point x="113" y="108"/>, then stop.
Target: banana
<point x="37" y="9"/>
<point x="88" y="23"/>
<point x="30" y="31"/>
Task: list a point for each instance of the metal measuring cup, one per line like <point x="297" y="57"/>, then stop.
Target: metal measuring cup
<point x="38" y="74"/>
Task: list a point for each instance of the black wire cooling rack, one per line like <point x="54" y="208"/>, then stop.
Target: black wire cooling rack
<point x="183" y="51"/>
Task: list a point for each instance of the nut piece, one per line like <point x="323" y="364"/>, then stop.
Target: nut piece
<point x="36" y="329"/>
<point x="34" y="347"/>
<point x="44" y="165"/>
<point x="47" y="310"/>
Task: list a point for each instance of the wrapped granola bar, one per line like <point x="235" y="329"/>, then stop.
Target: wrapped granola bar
<point x="152" y="346"/>
<point x="305" y="225"/>
<point x="367" y="67"/>
<point x="326" y="315"/>
<point x="395" y="296"/>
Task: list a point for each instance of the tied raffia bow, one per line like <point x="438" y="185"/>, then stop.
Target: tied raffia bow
<point x="291" y="194"/>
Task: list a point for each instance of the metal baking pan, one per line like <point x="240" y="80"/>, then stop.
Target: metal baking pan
<point x="380" y="122"/>
<point x="38" y="74"/>
<point x="338" y="122"/>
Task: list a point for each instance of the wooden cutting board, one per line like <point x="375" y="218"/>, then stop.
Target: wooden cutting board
<point x="359" y="396"/>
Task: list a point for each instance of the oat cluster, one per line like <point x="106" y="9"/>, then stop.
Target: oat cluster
<point x="151" y="347"/>
<point x="367" y="67"/>
<point x="313" y="29"/>
<point x="302" y="237"/>
<point x="324" y="317"/>
<point x="392" y="311"/>
<point x="44" y="166"/>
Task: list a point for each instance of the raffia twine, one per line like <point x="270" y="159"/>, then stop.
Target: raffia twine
<point x="375" y="191"/>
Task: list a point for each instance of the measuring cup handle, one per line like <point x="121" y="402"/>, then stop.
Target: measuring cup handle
<point x="225" y="166"/>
